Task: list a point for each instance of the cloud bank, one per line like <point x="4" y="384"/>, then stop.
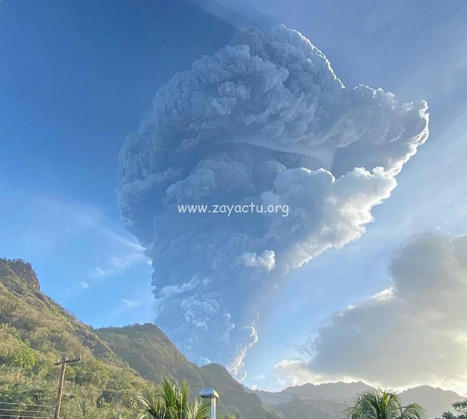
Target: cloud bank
<point x="413" y="332"/>
<point x="264" y="120"/>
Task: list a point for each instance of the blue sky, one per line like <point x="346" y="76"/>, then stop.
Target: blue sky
<point x="76" y="79"/>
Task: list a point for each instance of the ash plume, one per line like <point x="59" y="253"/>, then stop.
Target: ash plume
<point x="266" y="121"/>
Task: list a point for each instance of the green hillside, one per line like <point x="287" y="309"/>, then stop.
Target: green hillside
<point x="117" y="364"/>
<point x="148" y="350"/>
<point x="34" y="333"/>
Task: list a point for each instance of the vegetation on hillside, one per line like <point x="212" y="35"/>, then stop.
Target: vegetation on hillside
<point x="34" y="333"/>
<point x="147" y="350"/>
<point x="117" y="365"/>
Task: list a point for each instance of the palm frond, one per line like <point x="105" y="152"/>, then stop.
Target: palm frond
<point x="380" y="404"/>
<point x="197" y="410"/>
<point x="172" y="402"/>
<point x="413" y="411"/>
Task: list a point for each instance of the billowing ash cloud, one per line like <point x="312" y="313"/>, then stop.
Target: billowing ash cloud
<point x="264" y="121"/>
<point x="413" y="332"/>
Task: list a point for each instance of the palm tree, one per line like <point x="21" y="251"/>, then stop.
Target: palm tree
<point x="379" y="404"/>
<point x="461" y="411"/>
<point x="172" y="403"/>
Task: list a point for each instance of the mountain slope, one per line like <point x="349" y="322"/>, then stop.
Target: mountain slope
<point x="322" y="401"/>
<point x="316" y="409"/>
<point x="242" y="402"/>
<point x="344" y="392"/>
<point x="34" y="333"/>
<point x="117" y="364"/>
<point x="434" y="400"/>
<point x="148" y="350"/>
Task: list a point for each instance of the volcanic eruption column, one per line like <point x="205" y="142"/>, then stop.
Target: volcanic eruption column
<point x="266" y="121"/>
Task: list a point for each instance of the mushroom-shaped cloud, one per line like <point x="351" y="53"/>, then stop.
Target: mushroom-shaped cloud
<point x="263" y="122"/>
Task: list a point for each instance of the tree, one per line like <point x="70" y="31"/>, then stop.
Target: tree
<point x="172" y="403"/>
<point x="379" y="404"/>
<point x="24" y="358"/>
<point x="461" y="411"/>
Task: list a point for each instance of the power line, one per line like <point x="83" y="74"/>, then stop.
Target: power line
<point x="23" y="404"/>
<point x="16" y="414"/>
<point x="23" y="410"/>
<point x="39" y="409"/>
<point x="25" y="416"/>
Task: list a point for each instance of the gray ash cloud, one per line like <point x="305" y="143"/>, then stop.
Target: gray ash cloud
<point x="263" y="120"/>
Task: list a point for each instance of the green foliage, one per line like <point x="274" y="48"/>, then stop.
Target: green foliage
<point x="379" y="404"/>
<point x="172" y="403"/>
<point x="117" y="364"/>
<point x="148" y="350"/>
<point x="24" y="358"/>
<point x="34" y="333"/>
<point x="460" y="411"/>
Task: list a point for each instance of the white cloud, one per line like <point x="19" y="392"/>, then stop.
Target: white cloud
<point x="137" y="306"/>
<point x="413" y="332"/>
<point x="265" y="261"/>
<point x="294" y="372"/>
<point x="118" y="264"/>
<point x="131" y="303"/>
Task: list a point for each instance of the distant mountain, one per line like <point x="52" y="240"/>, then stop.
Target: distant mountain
<point x="330" y="400"/>
<point x="434" y="400"/>
<point x="239" y="400"/>
<point x="323" y="401"/>
<point x="117" y="364"/>
<point x="316" y="409"/>
<point x="342" y="392"/>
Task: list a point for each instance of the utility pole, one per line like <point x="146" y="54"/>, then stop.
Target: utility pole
<point x="63" y="363"/>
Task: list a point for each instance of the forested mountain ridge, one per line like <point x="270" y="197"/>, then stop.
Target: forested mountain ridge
<point x="117" y="364"/>
<point x="148" y="350"/>
<point x="34" y="334"/>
